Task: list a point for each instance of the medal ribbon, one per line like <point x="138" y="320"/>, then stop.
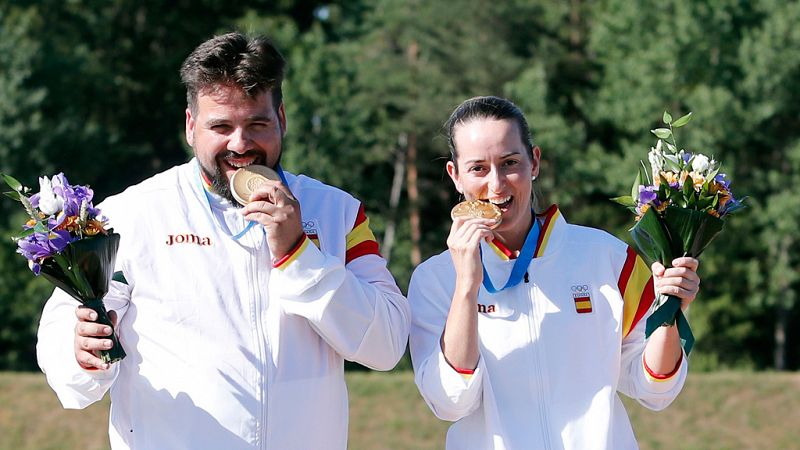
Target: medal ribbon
<point x="250" y="225"/>
<point x="520" y="265"/>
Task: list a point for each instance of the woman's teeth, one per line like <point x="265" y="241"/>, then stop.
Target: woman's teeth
<point x="501" y="202"/>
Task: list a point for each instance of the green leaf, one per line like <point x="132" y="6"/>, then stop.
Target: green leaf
<point x="12" y="182"/>
<point x="635" y="188"/>
<point x="667" y="117"/>
<point x="12" y="194"/>
<point x="683" y="120"/>
<point x="662" y="133"/>
<point x="625" y="200"/>
<point x="688" y="188"/>
<point x="40" y="228"/>
<point x="711" y="175"/>
<point x="672" y="163"/>
<point x="24" y="233"/>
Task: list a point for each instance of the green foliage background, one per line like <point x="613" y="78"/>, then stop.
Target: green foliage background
<point x="91" y="88"/>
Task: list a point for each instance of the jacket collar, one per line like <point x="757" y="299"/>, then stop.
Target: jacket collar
<point x="550" y="236"/>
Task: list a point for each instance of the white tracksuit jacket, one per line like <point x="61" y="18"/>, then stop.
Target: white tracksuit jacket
<point x="226" y="351"/>
<point x="554" y="350"/>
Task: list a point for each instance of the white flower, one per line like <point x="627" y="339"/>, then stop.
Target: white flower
<point x="49" y="202"/>
<point x="700" y="163"/>
<point x="656" y="158"/>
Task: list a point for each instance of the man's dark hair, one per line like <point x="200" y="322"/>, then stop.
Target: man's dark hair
<point x="487" y="108"/>
<point x="253" y="64"/>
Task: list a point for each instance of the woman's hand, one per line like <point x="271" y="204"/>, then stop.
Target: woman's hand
<point x="464" y="241"/>
<point x="680" y="280"/>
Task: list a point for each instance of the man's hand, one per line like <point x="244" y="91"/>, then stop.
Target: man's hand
<point x="89" y="338"/>
<point x="273" y="206"/>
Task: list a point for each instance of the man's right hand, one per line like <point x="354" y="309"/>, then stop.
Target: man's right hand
<point x="89" y="338"/>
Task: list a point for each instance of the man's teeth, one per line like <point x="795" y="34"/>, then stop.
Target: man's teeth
<point x="239" y="164"/>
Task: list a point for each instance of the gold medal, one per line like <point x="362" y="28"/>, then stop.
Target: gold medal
<point x="247" y="179"/>
<point x="477" y="209"/>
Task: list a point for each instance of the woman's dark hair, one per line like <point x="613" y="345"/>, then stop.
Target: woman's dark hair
<point x="253" y="64"/>
<point x="487" y="108"/>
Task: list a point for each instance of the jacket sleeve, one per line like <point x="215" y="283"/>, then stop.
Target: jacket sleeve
<point x="636" y="381"/>
<point x="450" y="394"/>
<point x="75" y="387"/>
<point x="354" y="305"/>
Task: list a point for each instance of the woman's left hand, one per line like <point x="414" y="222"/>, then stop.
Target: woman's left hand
<point x="680" y="280"/>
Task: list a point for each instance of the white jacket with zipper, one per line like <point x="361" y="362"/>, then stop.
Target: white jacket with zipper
<point x="554" y="350"/>
<point x="226" y="351"/>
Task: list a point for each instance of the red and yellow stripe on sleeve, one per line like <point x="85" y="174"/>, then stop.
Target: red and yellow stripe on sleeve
<point x="360" y="241"/>
<point x="636" y="286"/>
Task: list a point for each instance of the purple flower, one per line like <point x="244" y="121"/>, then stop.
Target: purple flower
<point x="686" y="157"/>
<point x="731" y="204"/>
<point x="720" y="178"/>
<point x="73" y="196"/>
<point x="647" y="194"/>
<point x="38" y="246"/>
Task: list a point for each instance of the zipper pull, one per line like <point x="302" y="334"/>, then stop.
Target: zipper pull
<point x="525" y="278"/>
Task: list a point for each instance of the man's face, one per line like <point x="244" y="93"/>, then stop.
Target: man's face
<point x="230" y="130"/>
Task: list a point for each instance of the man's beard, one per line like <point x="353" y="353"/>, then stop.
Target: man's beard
<point x="220" y="183"/>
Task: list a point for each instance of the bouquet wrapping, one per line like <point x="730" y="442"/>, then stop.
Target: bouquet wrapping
<point x="66" y="241"/>
<point x="680" y="204"/>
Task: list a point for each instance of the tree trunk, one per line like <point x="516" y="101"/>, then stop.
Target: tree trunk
<point x="781" y="322"/>
<point x="413" y="199"/>
<point x="394" y="196"/>
<point x="412" y="53"/>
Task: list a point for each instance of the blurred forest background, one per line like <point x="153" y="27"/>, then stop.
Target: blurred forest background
<point x="91" y="88"/>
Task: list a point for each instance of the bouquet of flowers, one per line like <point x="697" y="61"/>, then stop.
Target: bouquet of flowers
<point x="680" y="205"/>
<point x="66" y="241"/>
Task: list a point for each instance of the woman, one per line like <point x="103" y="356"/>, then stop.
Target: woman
<point x="526" y="328"/>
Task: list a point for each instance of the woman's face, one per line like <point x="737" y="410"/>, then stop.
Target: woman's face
<point x="494" y="165"/>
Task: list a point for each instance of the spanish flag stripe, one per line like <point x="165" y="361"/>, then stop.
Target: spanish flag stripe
<point x="206" y="182"/>
<point x="502" y="251"/>
<point x="648" y="296"/>
<point x="364" y="248"/>
<point x="550" y="217"/>
<point x="627" y="269"/>
<point x="637" y="296"/>
<point x="292" y="255"/>
<point x="361" y="217"/>
<point x="585" y="304"/>
<point x="360" y="241"/>
<point x="360" y="234"/>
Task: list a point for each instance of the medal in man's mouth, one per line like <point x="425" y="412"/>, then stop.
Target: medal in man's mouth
<point x="230" y="162"/>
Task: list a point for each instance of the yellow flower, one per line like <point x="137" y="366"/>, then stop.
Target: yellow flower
<point x="697" y="181"/>
<point x="724" y="198"/>
<point x="70" y="224"/>
<point x="94" y="227"/>
<point x="642" y="209"/>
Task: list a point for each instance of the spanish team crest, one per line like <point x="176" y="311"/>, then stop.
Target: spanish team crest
<point x="582" y="298"/>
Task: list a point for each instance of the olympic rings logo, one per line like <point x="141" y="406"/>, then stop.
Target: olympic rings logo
<point x="580" y="288"/>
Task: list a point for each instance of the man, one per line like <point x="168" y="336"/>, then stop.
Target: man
<point x="236" y="336"/>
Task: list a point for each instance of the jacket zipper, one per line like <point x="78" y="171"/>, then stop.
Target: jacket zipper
<point x="535" y="333"/>
<point x="260" y="339"/>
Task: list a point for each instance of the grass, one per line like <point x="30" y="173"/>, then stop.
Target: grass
<point x="715" y="411"/>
